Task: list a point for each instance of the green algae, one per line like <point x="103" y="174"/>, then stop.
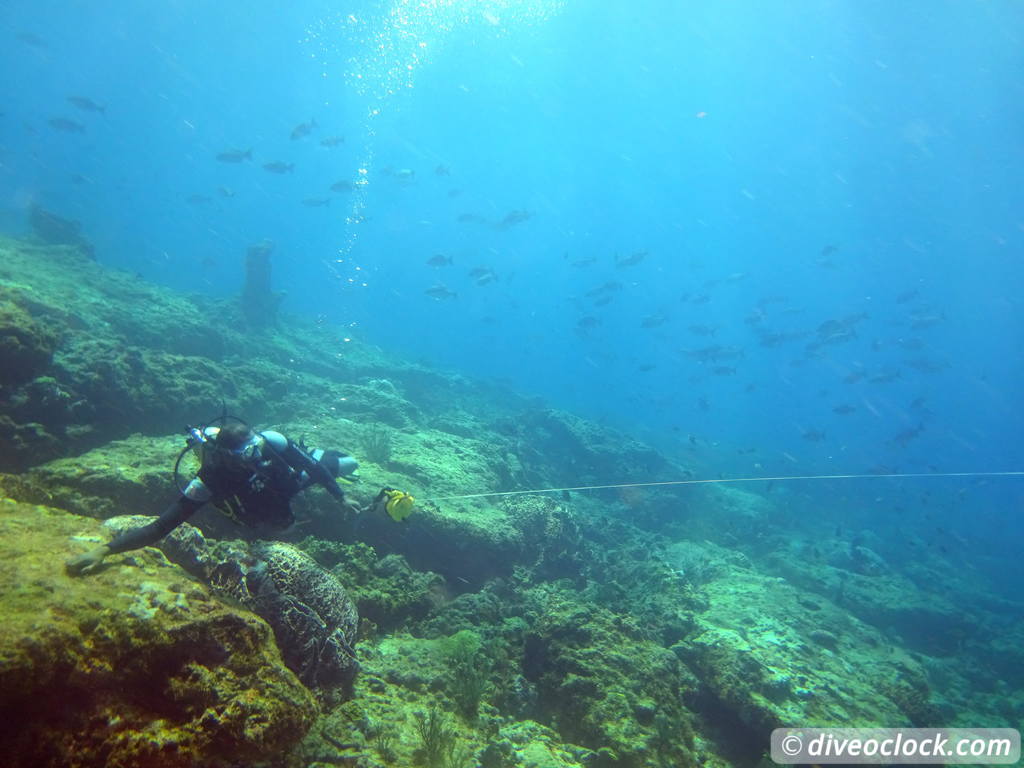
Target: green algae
<point x="156" y="670"/>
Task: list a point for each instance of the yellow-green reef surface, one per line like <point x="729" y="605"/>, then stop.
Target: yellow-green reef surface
<point x="641" y="628"/>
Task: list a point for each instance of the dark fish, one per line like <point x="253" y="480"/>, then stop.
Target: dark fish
<point x="341" y="186"/>
<point x="814" y="435"/>
<point x="440" y="291"/>
<point x="839" y="337"/>
<point x="885" y="377"/>
<point x="723" y="370"/>
<point x="316" y="202"/>
<point x="65" y="125"/>
<point x="714" y="353"/>
<point x="588" y="322"/>
<point x="603" y="301"/>
<point x="653" y="321"/>
<point x="927" y="366"/>
<point x="302" y="130"/>
<point x="332" y="141"/>
<point x="483" y="275"/>
<point x="235" y="155"/>
<point x="646" y="367"/>
<point x="468" y="218"/>
<point x="442" y="170"/>
<point x="829" y="327"/>
<point x="32" y="39"/>
<point x="512" y="218"/>
<point x="703" y="330"/>
<point x="843" y="409"/>
<point x="78" y="178"/>
<point x="279" y="167"/>
<point x="611" y="285"/>
<point x="925" y="319"/>
<point x="771" y="339"/>
<point x="906" y="296"/>
<point x="586" y="261"/>
<point x="87" y="105"/>
<point x="439" y="260"/>
<point x="198" y="200"/>
<point x="632" y="260"/>
<point x="853" y="377"/>
<point x="907" y="435"/>
<point x="828" y="250"/>
<point x="225" y="191"/>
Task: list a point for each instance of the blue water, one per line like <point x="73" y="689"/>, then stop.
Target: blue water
<point x="781" y="166"/>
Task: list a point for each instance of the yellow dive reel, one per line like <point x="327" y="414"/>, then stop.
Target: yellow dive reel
<point x="397" y="504"/>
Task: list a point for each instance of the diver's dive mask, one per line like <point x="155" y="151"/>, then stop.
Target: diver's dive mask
<point x="250" y="450"/>
<point x="206" y="446"/>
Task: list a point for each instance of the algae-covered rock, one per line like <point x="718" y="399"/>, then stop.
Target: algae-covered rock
<point x="583" y="451"/>
<point x="771" y="656"/>
<point x="605" y="687"/>
<point x="133" y="665"/>
<point x="122" y="477"/>
<point x="26" y="345"/>
<point x="526" y="744"/>
<point x="926" y="621"/>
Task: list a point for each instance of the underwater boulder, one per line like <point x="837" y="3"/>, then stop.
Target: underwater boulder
<point x="130" y="665"/>
<point x="56" y="230"/>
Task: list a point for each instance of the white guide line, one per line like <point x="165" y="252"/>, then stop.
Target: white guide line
<point x="895" y="476"/>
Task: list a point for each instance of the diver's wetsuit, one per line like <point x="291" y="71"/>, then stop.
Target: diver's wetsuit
<point x="256" y="493"/>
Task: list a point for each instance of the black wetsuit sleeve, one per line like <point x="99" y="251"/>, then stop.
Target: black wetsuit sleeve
<point x="317" y="472"/>
<point x="180" y="511"/>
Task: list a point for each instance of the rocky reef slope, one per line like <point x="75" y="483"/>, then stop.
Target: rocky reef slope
<point x="616" y="628"/>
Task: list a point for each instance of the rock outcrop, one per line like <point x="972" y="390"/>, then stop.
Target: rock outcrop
<point x="133" y="665"/>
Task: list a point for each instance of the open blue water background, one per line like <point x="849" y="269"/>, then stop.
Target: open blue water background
<point x="847" y="174"/>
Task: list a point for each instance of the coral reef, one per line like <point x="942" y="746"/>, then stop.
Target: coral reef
<point x="622" y="628"/>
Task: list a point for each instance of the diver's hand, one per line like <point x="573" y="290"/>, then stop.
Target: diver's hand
<point x="351" y="509"/>
<point x="88" y="562"/>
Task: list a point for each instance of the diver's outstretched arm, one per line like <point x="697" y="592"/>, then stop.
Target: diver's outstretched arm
<point x="172" y="517"/>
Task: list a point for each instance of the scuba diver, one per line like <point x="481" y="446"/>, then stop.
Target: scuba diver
<point x="251" y="477"/>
